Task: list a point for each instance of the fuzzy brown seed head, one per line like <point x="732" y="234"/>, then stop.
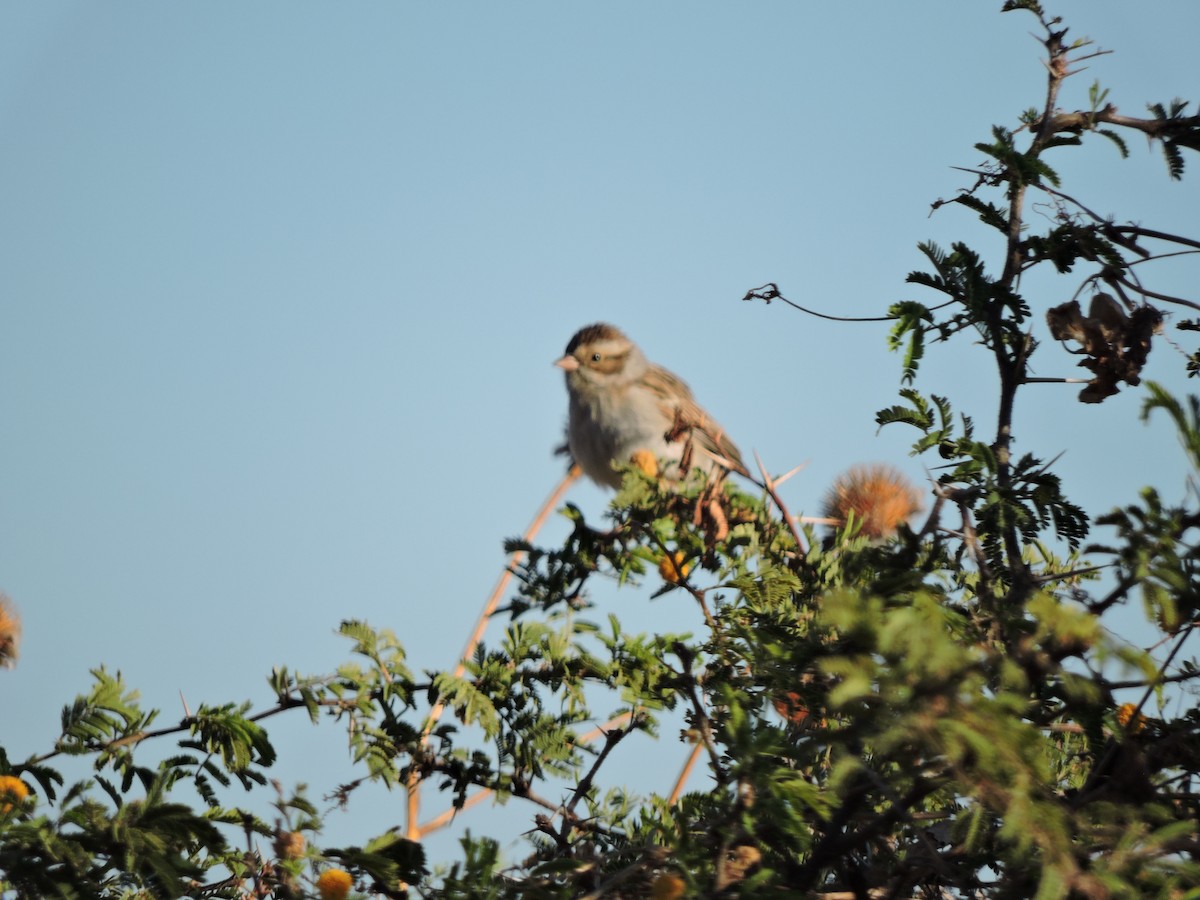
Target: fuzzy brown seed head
<point x="289" y="845"/>
<point x="878" y="496"/>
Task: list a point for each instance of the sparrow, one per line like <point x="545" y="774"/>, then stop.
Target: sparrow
<point x="620" y="403"/>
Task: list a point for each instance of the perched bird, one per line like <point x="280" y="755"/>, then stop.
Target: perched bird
<point x="621" y="403"/>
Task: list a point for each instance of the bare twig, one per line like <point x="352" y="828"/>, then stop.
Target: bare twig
<point x="685" y="773"/>
<point x="446" y="817"/>
<point x="1112" y="275"/>
<point x="770" y="291"/>
<point x="769" y="485"/>
<point x="481" y="624"/>
<point x="703" y="727"/>
<point x="498" y="591"/>
<point x="611" y="739"/>
<point x="819" y="520"/>
<point x="1074" y="573"/>
<point x="780" y="479"/>
<point x="1028" y="380"/>
<point x="1157" y="235"/>
<point x="1084" y="121"/>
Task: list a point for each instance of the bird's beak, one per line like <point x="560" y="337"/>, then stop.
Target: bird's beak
<point x="567" y="363"/>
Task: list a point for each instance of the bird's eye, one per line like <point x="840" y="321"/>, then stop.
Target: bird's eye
<point x="595" y="357"/>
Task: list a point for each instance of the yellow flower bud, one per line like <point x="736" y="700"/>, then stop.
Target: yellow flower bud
<point x="1125" y="715"/>
<point x="334" y="884"/>
<point x="673" y="568"/>
<point x="13" y="791"/>
<point x="645" y="461"/>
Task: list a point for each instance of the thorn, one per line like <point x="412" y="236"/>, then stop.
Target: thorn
<point x="818" y="520"/>
<point x="762" y="470"/>
<point x="786" y="475"/>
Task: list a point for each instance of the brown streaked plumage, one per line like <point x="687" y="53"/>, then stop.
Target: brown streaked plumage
<point x="620" y="402"/>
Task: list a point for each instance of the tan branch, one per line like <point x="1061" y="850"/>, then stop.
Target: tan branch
<point x="481" y="624"/>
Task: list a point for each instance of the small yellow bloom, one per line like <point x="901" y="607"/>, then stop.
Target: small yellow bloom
<point x="673" y="568"/>
<point x="12" y="791"/>
<point x="334" y="884"/>
<point x="645" y="461"/>
<point x="1125" y="714"/>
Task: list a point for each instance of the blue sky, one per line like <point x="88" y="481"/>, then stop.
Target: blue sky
<point x="282" y="282"/>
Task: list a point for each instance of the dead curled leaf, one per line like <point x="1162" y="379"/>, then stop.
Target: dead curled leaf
<point x="1115" y="344"/>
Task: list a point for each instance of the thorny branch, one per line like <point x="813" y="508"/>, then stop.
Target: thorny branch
<point x="1056" y="121"/>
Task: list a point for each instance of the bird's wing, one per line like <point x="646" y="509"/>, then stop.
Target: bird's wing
<point x="680" y="407"/>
